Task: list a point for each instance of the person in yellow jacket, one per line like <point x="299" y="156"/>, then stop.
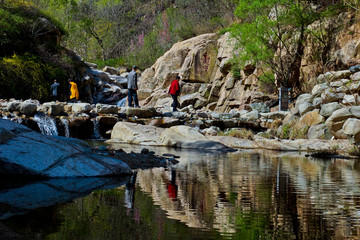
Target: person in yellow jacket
<point x="74" y="92"/>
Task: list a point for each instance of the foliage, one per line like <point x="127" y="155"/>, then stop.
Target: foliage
<point x="26" y="77"/>
<point x="271" y="33"/>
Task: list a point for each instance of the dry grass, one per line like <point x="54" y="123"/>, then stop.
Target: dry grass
<point x="239" y="133"/>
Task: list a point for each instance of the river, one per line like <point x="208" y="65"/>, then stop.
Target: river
<point x="208" y="195"/>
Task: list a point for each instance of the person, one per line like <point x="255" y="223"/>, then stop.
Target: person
<point x="74" y="92"/>
<point x="174" y="91"/>
<point x="132" y="87"/>
<point x="54" y="90"/>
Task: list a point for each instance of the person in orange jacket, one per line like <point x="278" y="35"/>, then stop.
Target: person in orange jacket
<point x="174" y="91"/>
<point x="74" y="92"/>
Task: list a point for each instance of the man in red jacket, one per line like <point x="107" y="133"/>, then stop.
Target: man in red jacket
<point x="174" y="91"/>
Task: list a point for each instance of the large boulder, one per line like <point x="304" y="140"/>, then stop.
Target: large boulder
<point x="25" y="152"/>
<point x="136" y="134"/>
<point x="187" y="137"/>
<point x="337" y="119"/>
<point x="106" y="108"/>
<point x="311" y="118"/>
<point x="352" y="129"/>
<point x="319" y="131"/>
<point x="328" y="108"/>
<point x="81" y="108"/>
<point x="28" y="108"/>
<point x="54" y="109"/>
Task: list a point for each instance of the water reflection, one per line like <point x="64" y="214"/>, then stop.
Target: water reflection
<point x="241" y="195"/>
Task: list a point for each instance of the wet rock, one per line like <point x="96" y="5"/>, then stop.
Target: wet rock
<point x="28" y="108"/>
<point x="13" y="106"/>
<point x="30" y="153"/>
<point x="53" y="108"/>
<point x="187" y="137"/>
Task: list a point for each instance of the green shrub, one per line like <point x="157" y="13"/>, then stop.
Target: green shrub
<point x="23" y="77"/>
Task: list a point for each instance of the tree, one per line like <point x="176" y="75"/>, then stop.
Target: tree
<point x="271" y="34"/>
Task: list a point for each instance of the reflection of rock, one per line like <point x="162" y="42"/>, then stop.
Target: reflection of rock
<point x="25" y="152"/>
<point x="20" y="200"/>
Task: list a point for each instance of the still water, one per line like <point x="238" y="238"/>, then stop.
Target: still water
<point x="239" y="195"/>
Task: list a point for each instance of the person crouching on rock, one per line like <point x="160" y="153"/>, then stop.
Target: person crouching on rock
<point x="174" y="91"/>
<point x="132" y="87"/>
<point x="74" y="92"/>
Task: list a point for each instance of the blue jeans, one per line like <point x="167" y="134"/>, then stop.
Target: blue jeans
<point x="132" y="94"/>
<point x="175" y="102"/>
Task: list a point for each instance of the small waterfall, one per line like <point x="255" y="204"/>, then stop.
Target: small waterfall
<point x="121" y="103"/>
<point x="46" y="124"/>
<point x="96" y="133"/>
<point x="65" y="123"/>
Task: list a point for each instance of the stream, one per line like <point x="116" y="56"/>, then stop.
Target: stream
<point x="208" y="195"/>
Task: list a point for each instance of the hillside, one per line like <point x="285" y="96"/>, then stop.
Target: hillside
<point x="30" y="53"/>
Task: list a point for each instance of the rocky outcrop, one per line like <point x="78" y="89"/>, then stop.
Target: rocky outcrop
<point x="25" y="152"/>
<point x="204" y="65"/>
<point x="177" y="136"/>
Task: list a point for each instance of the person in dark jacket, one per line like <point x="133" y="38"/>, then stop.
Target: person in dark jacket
<point x="54" y="90"/>
<point x="174" y="91"/>
<point x="132" y="87"/>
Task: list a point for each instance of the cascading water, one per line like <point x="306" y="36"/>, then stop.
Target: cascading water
<point x="65" y="123"/>
<point x="46" y="124"/>
<point x="121" y="103"/>
<point x="96" y="133"/>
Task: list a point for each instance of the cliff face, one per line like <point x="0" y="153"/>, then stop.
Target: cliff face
<point x="203" y="63"/>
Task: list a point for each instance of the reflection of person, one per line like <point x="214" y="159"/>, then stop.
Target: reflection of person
<point x="132" y="87"/>
<point x="174" y="91"/>
<point x="130" y="192"/>
<point x="74" y="92"/>
<point x="172" y="187"/>
<point x="54" y="90"/>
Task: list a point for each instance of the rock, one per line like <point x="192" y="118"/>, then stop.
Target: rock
<point x="253" y="115"/>
<point x="303" y="98"/>
<point x="353" y="99"/>
<point x="27" y="108"/>
<point x="68" y="108"/>
<point x="329" y="108"/>
<point x="164" y="122"/>
<point x="317" y="102"/>
<point x="318" y="89"/>
<point x="202" y="115"/>
<point x="53" y="108"/>
<point x="111" y="70"/>
<point x="105" y="108"/>
<point x="354" y="68"/>
<point x="260" y="107"/>
<point x="211" y="131"/>
<point x="189" y="99"/>
<point x="81" y="108"/>
<point x="336" y="121"/>
<point x="13" y="106"/>
<point x="136" y="134"/>
<point x="233" y="142"/>
<point x="319" y="131"/>
<point x="311" y="118"/>
<point x="352" y="129"/>
<point x="30" y="153"/>
<point x="91" y="65"/>
<point x="275" y="115"/>
<point x="187" y="137"/>
<point x="145" y="151"/>
<point x="140" y="112"/>
<point x="180" y="115"/>
<point x="329" y="96"/>
<point x="305" y="107"/>
<point x="333" y="76"/>
<point x="340" y="83"/>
